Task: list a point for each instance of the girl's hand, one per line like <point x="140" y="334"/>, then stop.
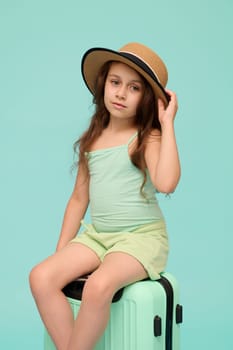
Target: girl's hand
<point x="168" y="114"/>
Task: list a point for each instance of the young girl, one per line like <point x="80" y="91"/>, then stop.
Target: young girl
<point x="127" y="154"/>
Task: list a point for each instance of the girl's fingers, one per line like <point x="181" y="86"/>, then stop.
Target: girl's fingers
<point x="173" y="104"/>
<point x="173" y="98"/>
<point x="168" y="113"/>
<point x="161" y="104"/>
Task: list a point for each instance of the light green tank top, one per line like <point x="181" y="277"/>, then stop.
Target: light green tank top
<point x="116" y="203"/>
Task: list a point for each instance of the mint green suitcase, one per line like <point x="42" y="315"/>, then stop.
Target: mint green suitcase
<point x="145" y="315"/>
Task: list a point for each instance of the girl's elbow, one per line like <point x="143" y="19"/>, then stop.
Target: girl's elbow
<point x="167" y="186"/>
<point x="165" y="189"/>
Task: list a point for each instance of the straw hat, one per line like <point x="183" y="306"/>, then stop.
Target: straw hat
<point x="135" y="55"/>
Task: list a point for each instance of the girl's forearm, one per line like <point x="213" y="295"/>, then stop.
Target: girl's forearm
<point x="74" y="213"/>
<point x="168" y="167"/>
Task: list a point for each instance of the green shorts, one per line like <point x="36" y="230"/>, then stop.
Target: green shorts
<point x="148" y="244"/>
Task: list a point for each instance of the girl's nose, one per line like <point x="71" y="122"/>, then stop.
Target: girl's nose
<point x="121" y="92"/>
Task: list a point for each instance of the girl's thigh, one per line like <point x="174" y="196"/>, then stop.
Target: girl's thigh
<point x="119" y="269"/>
<point x="67" y="264"/>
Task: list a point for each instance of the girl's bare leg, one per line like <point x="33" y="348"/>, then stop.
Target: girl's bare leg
<point x="47" y="280"/>
<point x="117" y="270"/>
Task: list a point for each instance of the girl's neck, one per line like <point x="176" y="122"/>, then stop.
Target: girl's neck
<point x="119" y="125"/>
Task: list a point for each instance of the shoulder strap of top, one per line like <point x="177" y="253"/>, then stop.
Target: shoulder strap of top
<point x="132" y="138"/>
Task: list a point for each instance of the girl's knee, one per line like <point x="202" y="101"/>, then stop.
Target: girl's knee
<point x="38" y="278"/>
<point x="98" y="290"/>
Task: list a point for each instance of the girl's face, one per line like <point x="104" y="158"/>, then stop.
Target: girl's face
<point x="123" y="91"/>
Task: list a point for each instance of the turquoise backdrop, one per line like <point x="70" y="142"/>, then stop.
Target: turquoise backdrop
<point x="44" y="106"/>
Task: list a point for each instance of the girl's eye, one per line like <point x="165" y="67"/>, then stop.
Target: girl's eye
<point x="135" y="88"/>
<point x="114" y="82"/>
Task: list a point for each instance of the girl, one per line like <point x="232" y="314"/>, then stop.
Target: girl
<point x="128" y="151"/>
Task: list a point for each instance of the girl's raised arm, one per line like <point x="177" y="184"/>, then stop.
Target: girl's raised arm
<point x="76" y="209"/>
<point x="161" y="153"/>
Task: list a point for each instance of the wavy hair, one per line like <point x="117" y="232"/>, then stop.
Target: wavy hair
<point x="146" y="119"/>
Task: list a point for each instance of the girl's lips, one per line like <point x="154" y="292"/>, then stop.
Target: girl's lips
<point x="118" y="105"/>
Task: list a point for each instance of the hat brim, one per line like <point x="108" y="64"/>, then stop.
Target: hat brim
<point x="94" y="59"/>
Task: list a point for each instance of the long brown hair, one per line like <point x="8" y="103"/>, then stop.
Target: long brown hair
<point x="146" y="119"/>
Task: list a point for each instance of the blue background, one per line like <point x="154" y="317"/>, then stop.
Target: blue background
<point x="45" y="106"/>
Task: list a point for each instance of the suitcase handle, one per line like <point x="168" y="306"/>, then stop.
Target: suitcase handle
<point x="179" y="313"/>
<point x="157" y="326"/>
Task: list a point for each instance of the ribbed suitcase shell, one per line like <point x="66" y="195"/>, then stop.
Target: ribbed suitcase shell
<point x="136" y="319"/>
